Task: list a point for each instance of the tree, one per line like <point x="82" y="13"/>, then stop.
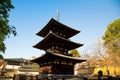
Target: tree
<point x="74" y="53"/>
<point x="100" y="57"/>
<point x="1" y="57"/>
<point x="112" y="37"/>
<point x="112" y="32"/>
<point x="5" y="28"/>
<point x="100" y="50"/>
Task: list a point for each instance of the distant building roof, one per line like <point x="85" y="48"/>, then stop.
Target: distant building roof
<point x="16" y="59"/>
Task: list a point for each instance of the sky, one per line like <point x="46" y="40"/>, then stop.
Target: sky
<point x="91" y="17"/>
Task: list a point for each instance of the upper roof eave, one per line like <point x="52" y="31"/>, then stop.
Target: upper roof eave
<point x="43" y="31"/>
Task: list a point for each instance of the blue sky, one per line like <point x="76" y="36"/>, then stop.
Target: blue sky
<point x="91" y="17"/>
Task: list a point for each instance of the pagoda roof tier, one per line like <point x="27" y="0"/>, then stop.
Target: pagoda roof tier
<point x="51" y="56"/>
<point x="57" y="28"/>
<point x="52" y="41"/>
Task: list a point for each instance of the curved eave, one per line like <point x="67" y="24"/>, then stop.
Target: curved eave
<point x="55" y="24"/>
<point x="53" y="40"/>
<point x="49" y="56"/>
<point x="76" y="59"/>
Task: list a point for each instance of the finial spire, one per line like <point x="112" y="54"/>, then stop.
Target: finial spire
<point x="57" y="15"/>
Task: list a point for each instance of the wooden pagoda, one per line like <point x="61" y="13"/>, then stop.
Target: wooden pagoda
<point x="56" y="44"/>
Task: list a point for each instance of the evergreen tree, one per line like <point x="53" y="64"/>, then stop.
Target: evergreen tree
<point x="112" y="37"/>
<point x="5" y="28"/>
<point x="112" y="32"/>
<point x="1" y="57"/>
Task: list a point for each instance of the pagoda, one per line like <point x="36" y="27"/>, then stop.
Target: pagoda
<point x="56" y="43"/>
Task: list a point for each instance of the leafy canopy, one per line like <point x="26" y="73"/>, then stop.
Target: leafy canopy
<point x="5" y="28"/>
<point x="112" y="32"/>
<point x="74" y="53"/>
<point x="112" y="37"/>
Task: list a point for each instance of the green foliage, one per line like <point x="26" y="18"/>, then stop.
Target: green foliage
<point x="74" y="53"/>
<point x="5" y="28"/>
<point x="112" y="37"/>
<point x="1" y="57"/>
<point x="112" y="32"/>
